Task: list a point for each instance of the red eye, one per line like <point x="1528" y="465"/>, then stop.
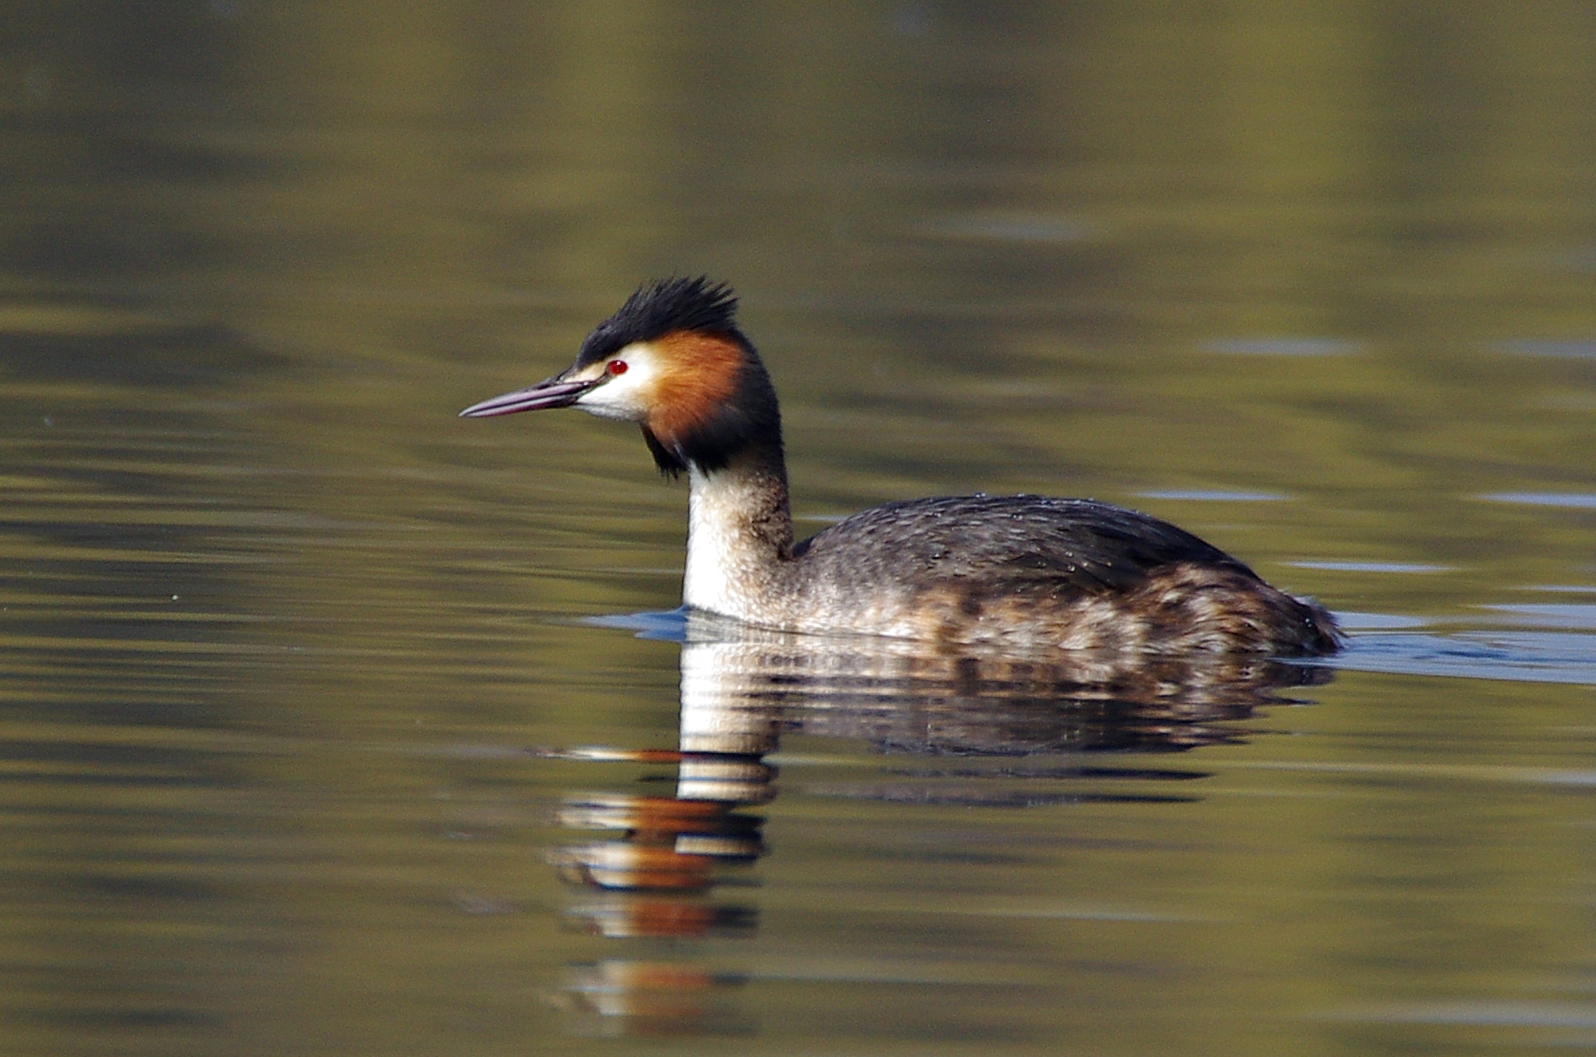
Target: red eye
<point x="616" y="367"/>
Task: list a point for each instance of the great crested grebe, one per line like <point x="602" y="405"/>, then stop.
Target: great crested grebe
<point x="1022" y="571"/>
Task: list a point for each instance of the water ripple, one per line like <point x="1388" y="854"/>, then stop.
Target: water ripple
<point x="1373" y="567"/>
<point x="1520" y="656"/>
<point x="1282" y="346"/>
<point x="1213" y="495"/>
<point x="1572" y="500"/>
<point x="1564" y="349"/>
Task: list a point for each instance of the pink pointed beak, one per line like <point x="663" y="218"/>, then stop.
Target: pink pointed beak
<point x="551" y="392"/>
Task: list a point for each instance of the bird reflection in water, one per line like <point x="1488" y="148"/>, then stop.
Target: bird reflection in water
<point x="1019" y="726"/>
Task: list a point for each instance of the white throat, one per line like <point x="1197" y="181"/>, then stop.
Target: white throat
<point x="731" y="567"/>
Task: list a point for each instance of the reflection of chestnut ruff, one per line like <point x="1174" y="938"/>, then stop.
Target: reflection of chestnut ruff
<point x="669" y="842"/>
<point x="656" y="881"/>
<point x="654" y="998"/>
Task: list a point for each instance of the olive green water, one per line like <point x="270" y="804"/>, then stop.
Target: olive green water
<point x="282" y="637"/>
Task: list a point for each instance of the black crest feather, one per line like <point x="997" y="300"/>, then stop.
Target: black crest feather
<point x="663" y="307"/>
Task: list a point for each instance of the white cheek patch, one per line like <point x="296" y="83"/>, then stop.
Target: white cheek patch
<point x="625" y="396"/>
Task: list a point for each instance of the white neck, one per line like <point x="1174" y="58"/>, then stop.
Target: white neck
<point x="738" y="535"/>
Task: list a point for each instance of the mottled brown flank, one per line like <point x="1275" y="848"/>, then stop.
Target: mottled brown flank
<point x="1182" y="608"/>
<point x="1034" y="572"/>
<point x="698" y="374"/>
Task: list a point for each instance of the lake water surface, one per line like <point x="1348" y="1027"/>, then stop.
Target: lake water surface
<point x="333" y="724"/>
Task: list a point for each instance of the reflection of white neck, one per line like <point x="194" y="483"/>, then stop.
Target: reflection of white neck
<point x="724" y="715"/>
<point x="722" y="708"/>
